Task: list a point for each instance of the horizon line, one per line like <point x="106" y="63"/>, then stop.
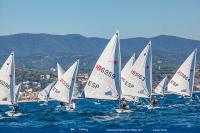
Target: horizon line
<point x="12" y="34"/>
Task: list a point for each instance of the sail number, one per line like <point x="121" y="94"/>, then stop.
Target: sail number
<point x="105" y="71"/>
<point x="55" y="90"/>
<point x="138" y="75"/>
<point x="173" y="83"/>
<point x="183" y="75"/>
<point x="64" y="83"/>
<point x="4" y="84"/>
<point x="128" y="84"/>
<point x="92" y="84"/>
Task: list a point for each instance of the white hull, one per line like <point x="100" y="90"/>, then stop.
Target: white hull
<point x="11" y="113"/>
<point x="123" y="110"/>
<point x="152" y="107"/>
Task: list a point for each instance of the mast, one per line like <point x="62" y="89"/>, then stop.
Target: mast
<point x="12" y="80"/>
<point x="73" y="82"/>
<point x="119" y="60"/>
<point x="193" y="72"/>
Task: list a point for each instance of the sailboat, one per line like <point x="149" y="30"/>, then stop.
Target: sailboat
<point x="161" y="87"/>
<point x="63" y="89"/>
<point x="7" y="82"/>
<point x="104" y="81"/>
<point x="138" y="80"/>
<point x="183" y="80"/>
<point x="125" y="72"/>
<point x="15" y="104"/>
<point x="44" y="94"/>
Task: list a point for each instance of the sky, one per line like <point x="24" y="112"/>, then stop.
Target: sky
<point x="101" y="18"/>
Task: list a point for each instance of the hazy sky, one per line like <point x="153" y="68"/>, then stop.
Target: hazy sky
<point x="101" y="18"/>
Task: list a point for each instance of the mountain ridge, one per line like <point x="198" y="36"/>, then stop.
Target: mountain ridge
<point x="32" y="50"/>
<point x="38" y="44"/>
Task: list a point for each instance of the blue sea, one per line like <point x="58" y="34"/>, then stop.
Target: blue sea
<point x="172" y="114"/>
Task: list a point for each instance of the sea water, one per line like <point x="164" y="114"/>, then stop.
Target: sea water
<point x="172" y="113"/>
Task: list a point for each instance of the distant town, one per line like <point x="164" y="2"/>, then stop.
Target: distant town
<point x="34" y="81"/>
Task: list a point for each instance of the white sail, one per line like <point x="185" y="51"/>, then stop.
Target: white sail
<point x="128" y="66"/>
<point x="183" y="80"/>
<point x="7" y="81"/>
<point x="160" y="89"/>
<point x="125" y="72"/>
<point x="138" y="82"/>
<point x="104" y="81"/>
<point x="63" y="89"/>
<point x="44" y="94"/>
<point x="60" y="70"/>
<point x="17" y="90"/>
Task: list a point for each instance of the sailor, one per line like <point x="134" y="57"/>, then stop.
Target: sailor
<point x="154" y="101"/>
<point x="16" y="109"/>
<point x="62" y="104"/>
<point x="71" y="105"/>
<point x="124" y="104"/>
<point x="196" y="97"/>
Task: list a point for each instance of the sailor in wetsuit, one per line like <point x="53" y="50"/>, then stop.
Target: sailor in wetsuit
<point x="15" y="109"/>
<point x="124" y="104"/>
<point x="62" y="104"/>
<point x="154" y="101"/>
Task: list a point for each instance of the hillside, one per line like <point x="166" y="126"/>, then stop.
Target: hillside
<point x="42" y="51"/>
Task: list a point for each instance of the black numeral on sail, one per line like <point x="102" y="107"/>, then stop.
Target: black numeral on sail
<point x="183" y="75"/>
<point x="4" y="84"/>
<point x="141" y="77"/>
<point x="105" y="71"/>
<point x="92" y="84"/>
<point x="173" y="83"/>
<point x="128" y="84"/>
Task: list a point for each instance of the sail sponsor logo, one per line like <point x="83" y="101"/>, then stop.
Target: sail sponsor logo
<point x="136" y="74"/>
<point x="64" y="83"/>
<point x="108" y="93"/>
<point x="105" y="71"/>
<point x="173" y="83"/>
<point x="126" y="83"/>
<point x="93" y="84"/>
<point x="4" y="84"/>
<point x="183" y="75"/>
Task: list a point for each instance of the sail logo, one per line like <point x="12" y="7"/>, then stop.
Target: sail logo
<point x="126" y="83"/>
<point x="105" y="71"/>
<point x="4" y="84"/>
<point x="108" y="93"/>
<point x="93" y="85"/>
<point x="64" y="83"/>
<point x="183" y="75"/>
<point x="136" y="74"/>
